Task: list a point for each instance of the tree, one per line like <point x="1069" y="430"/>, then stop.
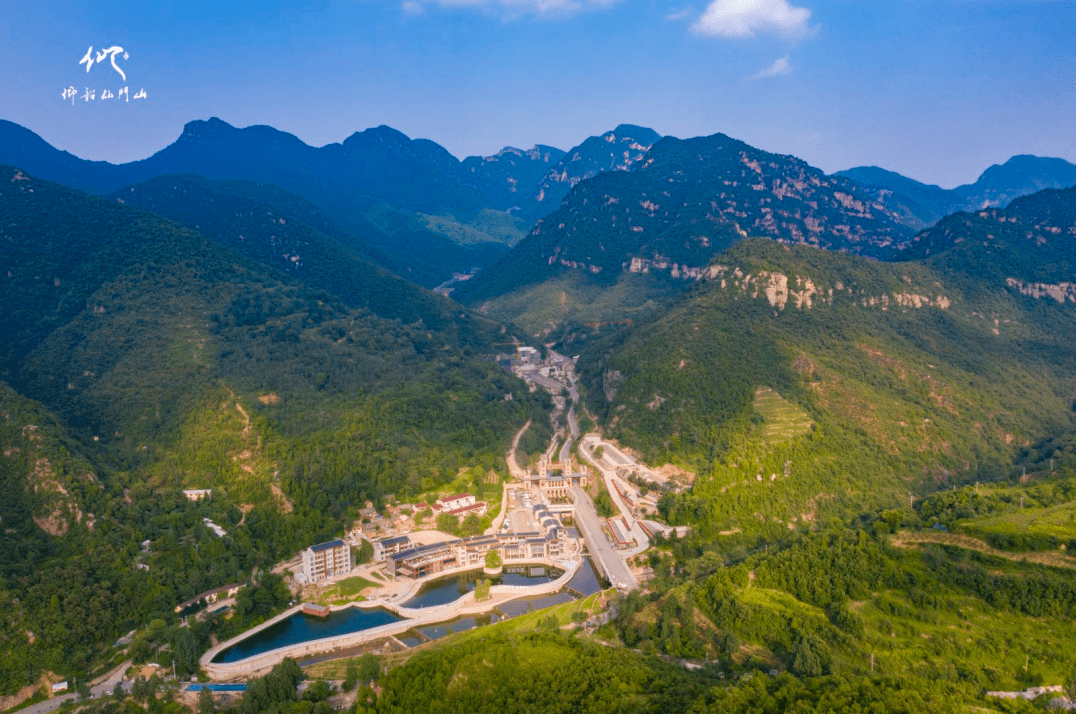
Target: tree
<point x="1070" y="685"/>
<point x="352" y="677"/>
<point x="206" y="705"/>
<point x="369" y="668"/>
<point x="493" y="558"/>
<point x="447" y="523"/>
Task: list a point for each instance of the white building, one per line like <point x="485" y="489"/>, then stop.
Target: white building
<point x="197" y="494"/>
<point x="390" y="546"/>
<point x="454" y="503"/>
<point x="326" y="560"/>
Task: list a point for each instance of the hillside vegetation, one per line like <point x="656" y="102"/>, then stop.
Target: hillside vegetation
<point x="909" y="384"/>
<point x="671" y="213"/>
<point x="157" y="360"/>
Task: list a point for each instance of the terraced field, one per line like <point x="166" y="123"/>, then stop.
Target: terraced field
<point x="783" y="419"/>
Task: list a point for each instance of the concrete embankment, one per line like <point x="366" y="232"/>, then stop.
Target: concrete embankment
<point x="414" y="617"/>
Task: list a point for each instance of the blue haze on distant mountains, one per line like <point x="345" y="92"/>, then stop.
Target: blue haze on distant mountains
<point x="412" y="207"/>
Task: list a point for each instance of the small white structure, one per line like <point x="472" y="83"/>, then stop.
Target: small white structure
<point x="59" y="687"/>
<point x="326" y="560"/>
<point x="197" y="494"/>
<point x="214" y="527"/>
<point x="456" y="502"/>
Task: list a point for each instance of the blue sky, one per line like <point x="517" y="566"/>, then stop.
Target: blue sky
<point x="935" y="90"/>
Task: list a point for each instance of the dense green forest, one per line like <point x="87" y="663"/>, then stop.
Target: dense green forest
<point x="324" y="259"/>
<point x="142" y="359"/>
<point x="903" y="384"/>
<point x="882" y="516"/>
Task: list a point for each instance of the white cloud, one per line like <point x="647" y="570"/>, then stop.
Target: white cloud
<point x="678" y="14"/>
<point x="514" y="8"/>
<point x="743" y="18"/>
<point x="780" y="66"/>
<point x="410" y="7"/>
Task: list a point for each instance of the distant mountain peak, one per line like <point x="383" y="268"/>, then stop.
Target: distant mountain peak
<point x="202" y="127"/>
<point x="381" y="134"/>
<point x="633" y="131"/>
<point x="1019" y="176"/>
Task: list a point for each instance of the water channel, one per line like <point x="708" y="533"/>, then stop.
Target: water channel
<point x="450" y="588"/>
<point x="303" y="628"/>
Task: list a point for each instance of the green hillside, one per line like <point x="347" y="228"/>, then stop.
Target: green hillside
<point x="276" y="238"/>
<point x="159" y="360"/>
<point x="908" y="382"/>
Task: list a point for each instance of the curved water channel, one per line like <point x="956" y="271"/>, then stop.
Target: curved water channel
<point x="303" y="628"/>
<point x="442" y="591"/>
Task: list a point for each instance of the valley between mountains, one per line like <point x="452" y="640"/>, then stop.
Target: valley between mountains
<point x="827" y="423"/>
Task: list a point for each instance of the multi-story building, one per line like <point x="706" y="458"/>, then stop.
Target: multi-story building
<point x="390" y="546"/>
<point x="326" y="560"/>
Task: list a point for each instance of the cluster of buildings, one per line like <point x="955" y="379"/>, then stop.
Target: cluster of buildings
<point x="555" y="479"/>
<point x="528" y="360"/>
<point x="423" y="560"/>
<point x="461" y="505"/>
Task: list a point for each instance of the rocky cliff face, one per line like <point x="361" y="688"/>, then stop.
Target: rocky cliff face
<point x="686" y="202"/>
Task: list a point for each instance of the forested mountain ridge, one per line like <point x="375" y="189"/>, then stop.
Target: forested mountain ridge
<point x="509" y="177"/>
<point x="276" y="238"/>
<point x="1019" y="176"/>
<point x="1030" y="242"/>
<point x="157" y="359"/>
<point x="905" y="375"/>
<point x="920" y="206"/>
<point x="915" y="204"/>
<point x="377" y="184"/>
<point x="669" y="215"/>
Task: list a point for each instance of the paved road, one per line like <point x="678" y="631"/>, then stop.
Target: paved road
<point x="586" y="447"/>
<point x="609" y="559"/>
<point x="496" y="524"/>
<point x="573" y="425"/>
<point x="102" y="687"/>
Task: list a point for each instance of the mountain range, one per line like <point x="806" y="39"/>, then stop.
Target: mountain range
<point x="419" y="212"/>
<point x="919" y="205"/>
<point x="428" y="214"/>
<point x="822" y="357"/>
<point x="937" y="367"/>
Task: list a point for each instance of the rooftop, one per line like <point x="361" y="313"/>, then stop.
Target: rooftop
<point x="326" y="546"/>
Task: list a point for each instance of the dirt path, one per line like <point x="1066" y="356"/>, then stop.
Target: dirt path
<point x="513" y="468"/>
<point x="907" y="539"/>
